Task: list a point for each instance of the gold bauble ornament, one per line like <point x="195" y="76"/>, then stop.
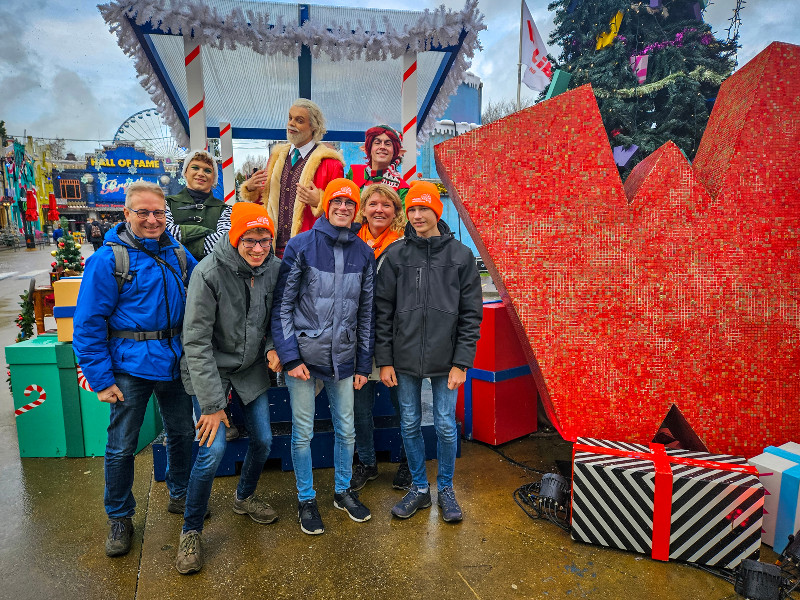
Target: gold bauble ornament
<point x="77" y="246"/>
<point x="52" y="253"/>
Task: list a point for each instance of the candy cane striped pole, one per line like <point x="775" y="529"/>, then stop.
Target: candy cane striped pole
<point x="82" y="382"/>
<point x="226" y="146"/>
<point x="28" y="390"/>
<point x="193" y="59"/>
<point x="408" y="103"/>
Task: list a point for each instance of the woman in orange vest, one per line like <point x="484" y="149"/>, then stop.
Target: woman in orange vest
<point x="383" y="219"/>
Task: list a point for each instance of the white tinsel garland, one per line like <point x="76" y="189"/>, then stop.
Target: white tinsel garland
<point x="340" y="41"/>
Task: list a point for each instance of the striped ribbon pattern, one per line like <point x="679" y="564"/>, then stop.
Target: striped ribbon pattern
<point x="693" y="506"/>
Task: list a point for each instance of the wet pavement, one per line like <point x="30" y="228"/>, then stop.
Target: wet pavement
<point x="53" y="527"/>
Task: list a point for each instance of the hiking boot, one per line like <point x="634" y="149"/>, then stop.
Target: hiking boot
<point x="231" y="433"/>
<point x="118" y="542"/>
<point x="259" y="511"/>
<point x="361" y="475"/>
<point x="402" y="479"/>
<point x="308" y="514"/>
<point x="348" y="501"/>
<point x="411" y="502"/>
<point x="190" y="553"/>
<point x="177" y="506"/>
<point x="451" y="511"/>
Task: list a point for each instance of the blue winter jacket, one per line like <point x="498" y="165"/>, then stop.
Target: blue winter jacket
<point x="323" y="312"/>
<point x="142" y="305"/>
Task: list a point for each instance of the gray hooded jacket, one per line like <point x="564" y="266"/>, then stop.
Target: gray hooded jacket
<point x="226" y="332"/>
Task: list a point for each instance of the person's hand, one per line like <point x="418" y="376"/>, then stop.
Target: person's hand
<point x="257" y="181"/>
<point x="274" y="361"/>
<point x="456" y="378"/>
<point x="208" y="425"/>
<point x="388" y="376"/>
<point x="300" y="372"/>
<point x="359" y="381"/>
<point x="111" y="394"/>
<point x="310" y="195"/>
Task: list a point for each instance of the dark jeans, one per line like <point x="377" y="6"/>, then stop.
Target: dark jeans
<point x="363" y="404"/>
<point x="123" y="435"/>
<point x="256" y="419"/>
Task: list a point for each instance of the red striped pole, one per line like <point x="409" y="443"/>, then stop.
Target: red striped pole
<point x="193" y="60"/>
<point x="226" y="147"/>
<point x="408" y="103"/>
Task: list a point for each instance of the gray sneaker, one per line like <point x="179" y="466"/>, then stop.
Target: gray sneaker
<point x="190" y="553"/>
<point x="411" y="502"/>
<point x="120" y="531"/>
<point x="259" y="511"/>
<point x="177" y="506"/>
<point x="451" y="511"/>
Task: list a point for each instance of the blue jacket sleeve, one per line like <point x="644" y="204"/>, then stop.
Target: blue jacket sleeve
<point x="287" y="290"/>
<point x="97" y="300"/>
<point x="365" y="332"/>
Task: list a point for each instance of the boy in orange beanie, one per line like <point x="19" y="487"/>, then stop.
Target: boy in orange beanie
<point x="429" y="308"/>
<point x="226" y="334"/>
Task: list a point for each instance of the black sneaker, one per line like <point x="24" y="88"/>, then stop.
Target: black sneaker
<point x="402" y="479"/>
<point x="177" y="506"/>
<point x="411" y="502"/>
<point x="308" y="514"/>
<point x="361" y="475"/>
<point x="451" y="511"/>
<point x="118" y="542"/>
<point x="348" y="501"/>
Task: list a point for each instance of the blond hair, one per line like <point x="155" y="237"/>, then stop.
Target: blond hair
<point x="137" y="187"/>
<point x="399" y="221"/>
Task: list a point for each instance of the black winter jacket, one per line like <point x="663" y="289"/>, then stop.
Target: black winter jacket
<point x="429" y="304"/>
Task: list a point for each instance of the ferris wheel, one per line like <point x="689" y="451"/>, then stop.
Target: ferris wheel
<point x="147" y="129"/>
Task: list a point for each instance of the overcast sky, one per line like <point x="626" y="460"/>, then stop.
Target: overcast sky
<point x="63" y="75"/>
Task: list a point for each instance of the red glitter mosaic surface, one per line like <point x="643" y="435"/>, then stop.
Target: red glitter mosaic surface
<point x="679" y="287"/>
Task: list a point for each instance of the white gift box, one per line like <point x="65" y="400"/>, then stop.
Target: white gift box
<point x="779" y="472"/>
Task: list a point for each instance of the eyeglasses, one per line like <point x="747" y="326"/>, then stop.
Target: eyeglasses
<point x="206" y="170"/>
<point x="349" y="204"/>
<point x="249" y="243"/>
<point x="144" y="214"/>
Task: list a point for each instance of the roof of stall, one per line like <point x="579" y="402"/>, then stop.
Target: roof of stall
<point x="258" y="57"/>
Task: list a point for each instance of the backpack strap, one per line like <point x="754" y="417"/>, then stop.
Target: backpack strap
<point x="122" y="264"/>
<point x="180" y="254"/>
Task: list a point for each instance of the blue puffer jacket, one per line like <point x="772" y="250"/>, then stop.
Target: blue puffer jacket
<point x="142" y="305"/>
<point x="323" y="313"/>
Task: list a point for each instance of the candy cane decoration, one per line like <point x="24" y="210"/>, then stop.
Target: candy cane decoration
<point x="408" y="104"/>
<point x="82" y="380"/>
<point x="193" y="59"/>
<point x="42" y="397"/>
<point x="226" y="146"/>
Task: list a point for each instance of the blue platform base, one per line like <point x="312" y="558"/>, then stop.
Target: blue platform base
<point x="387" y="439"/>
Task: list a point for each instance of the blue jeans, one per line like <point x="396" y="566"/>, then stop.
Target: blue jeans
<point x="256" y="419"/>
<point x="409" y="394"/>
<point x="340" y="397"/>
<point x="363" y="403"/>
<point x="123" y="436"/>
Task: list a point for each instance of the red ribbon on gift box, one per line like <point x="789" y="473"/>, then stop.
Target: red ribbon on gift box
<point x="662" y="497"/>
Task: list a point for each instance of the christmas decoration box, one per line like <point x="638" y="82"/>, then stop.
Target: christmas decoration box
<point x="498" y="401"/>
<point x="66" y="296"/>
<point x="46" y="406"/>
<point x="779" y="472"/>
<point x="671" y="504"/>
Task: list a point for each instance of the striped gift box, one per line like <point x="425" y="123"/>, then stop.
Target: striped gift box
<point x="672" y="504"/>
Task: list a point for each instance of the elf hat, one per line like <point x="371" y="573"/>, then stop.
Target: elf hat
<point x="424" y="193"/>
<point x="340" y="188"/>
<point x="246" y="216"/>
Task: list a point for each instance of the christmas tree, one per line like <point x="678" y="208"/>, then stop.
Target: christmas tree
<point x="26" y="318"/>
<point x="68" y="260"/>
<point x="655" y="68"/>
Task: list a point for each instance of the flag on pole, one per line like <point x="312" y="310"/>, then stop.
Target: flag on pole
<point x="538" y="69"/>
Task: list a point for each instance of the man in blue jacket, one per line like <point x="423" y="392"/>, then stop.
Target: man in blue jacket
<point x="323" y="330"/>
<point x="127" y="339"/>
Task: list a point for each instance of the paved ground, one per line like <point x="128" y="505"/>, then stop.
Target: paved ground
<point x="52" y="529"/>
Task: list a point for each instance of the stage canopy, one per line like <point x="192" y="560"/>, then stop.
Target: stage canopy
<point x="257" y="57"/>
